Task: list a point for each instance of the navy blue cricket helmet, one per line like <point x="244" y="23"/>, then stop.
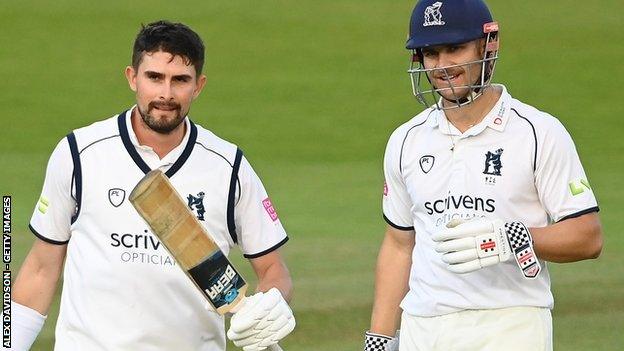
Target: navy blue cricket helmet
<point x="440" y="22"/>
<point x="450" y="22"/>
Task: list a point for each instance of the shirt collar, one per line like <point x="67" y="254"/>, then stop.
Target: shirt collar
<point x="172" y="156"/>
<point x="496" y="119"/>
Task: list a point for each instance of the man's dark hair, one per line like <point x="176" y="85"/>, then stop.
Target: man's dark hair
<point x="174" y="38"/>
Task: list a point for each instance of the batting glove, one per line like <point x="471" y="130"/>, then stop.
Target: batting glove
<point x="469" y="246"/>
<point x="379" y="342"/>
<point x="263" y="320"/>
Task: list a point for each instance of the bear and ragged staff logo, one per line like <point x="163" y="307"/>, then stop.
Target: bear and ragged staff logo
<point x="196" y="203"/>
<point x="433" y="16"/>
<point x="493" y="164"/>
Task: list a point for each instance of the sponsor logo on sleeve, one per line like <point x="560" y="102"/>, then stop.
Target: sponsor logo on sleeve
<point x="268" y="206"/>
<point x="43" y="204"/>
<point x="385" y="189"/>
<point x="578" y="186"/>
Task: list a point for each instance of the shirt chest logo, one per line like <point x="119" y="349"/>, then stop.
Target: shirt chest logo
<point x="116" y="196"/>
<point x="196" y="204"/>
<point x="493" y="163"/>
<point x="493" y="166"/>
<point x="426" y="163"/>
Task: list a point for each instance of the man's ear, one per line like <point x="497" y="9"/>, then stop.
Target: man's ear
<point x="199" y="86"/>
<point x="131" y="77"/>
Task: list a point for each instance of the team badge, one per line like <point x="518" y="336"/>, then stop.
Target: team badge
<point x="196" y="204"/>
<point x="493" y="162"/>
<point x="433" y="16"/>
<point x="426" y="163"/>
<point x="116" y="196"/>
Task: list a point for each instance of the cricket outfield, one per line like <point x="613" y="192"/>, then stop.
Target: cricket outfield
<point x="311" y="91"/>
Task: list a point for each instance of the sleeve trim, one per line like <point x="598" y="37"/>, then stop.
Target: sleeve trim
<point x="269" y="250"/>
<point x="49" y="241"/>
<point x="231" y="223"/>
<point x="396" y="226"/>
<point x="580" y="213"/>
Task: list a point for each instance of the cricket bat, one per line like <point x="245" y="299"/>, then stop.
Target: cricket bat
<point x="189" y="243"/>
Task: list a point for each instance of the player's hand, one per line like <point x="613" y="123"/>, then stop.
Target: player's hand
<point x="263" y="320"/>
<point x="379" y="342"/>
<point x="472" y="245"/>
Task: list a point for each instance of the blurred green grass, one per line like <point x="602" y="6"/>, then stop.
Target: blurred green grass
<point x="311" y="90"/>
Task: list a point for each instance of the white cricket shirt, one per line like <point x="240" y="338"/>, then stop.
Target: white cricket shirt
<point x="121" y="289"/>
<point x="518" y="164"/>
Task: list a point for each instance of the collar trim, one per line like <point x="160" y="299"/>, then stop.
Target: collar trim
<point x="131" y="148"/>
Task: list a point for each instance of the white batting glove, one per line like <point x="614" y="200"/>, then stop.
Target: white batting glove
<point x="469" y="246"/>
<point x="263" y="320"/>
<point x="379" y="342"/>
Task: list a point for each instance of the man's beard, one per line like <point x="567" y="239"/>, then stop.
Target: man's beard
<point x="162" y="125"/>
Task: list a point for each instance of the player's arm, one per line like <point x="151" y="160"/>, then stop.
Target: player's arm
<point x="391" y="279"/>
<point x="272" y="273"/>
<point x="570" y="240"/>
<point x="265" y="317"/>
<point x="37" y="278"/>
<point x="395" y="254"/>
<point x="565" y="195"/>
<point x="34" y="290"/>
<point x="36" y="282"/>
<point x="472" y="245"/>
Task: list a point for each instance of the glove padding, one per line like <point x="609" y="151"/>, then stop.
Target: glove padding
<point x="469" y="246"/>
<point x="262" y="321"/>
<point x="379" y="342"/>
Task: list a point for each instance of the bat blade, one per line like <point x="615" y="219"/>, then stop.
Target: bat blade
<point x="169" y="218"/>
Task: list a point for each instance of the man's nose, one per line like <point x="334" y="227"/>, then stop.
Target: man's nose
<point x="166" y="91"/>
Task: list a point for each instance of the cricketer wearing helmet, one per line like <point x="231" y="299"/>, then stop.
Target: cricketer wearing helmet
<point x="481" y="190"/>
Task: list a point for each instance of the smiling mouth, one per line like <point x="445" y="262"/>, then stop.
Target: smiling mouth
<point x="449" y="78"/>
<point x="165" y="107"/>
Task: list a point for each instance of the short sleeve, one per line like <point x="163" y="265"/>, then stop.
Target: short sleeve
<point x="397" y="203"/>
<point x="51" y="219"/>
<point x="561" y="182"/>
<point x="258" y="226"/>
